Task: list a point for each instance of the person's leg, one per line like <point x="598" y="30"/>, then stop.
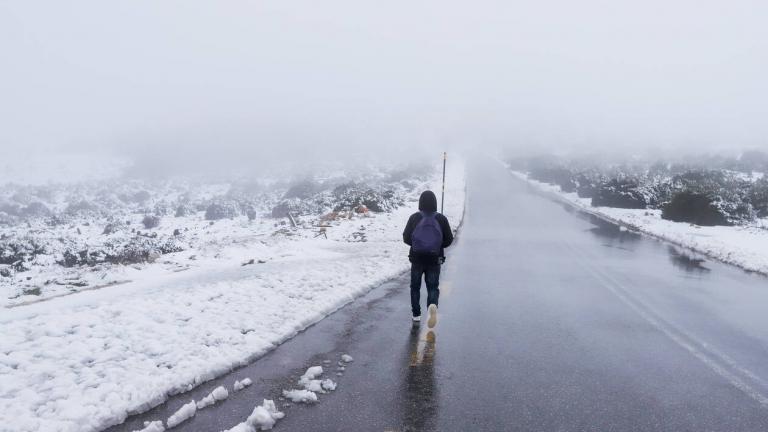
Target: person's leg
<point x="432" y="280"/>
<point x="416" y="271"/>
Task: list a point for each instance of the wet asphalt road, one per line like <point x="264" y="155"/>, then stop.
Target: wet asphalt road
<point x="550" y="320"/>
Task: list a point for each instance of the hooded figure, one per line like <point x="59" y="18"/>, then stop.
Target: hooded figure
<point x="427" y="221"/>
<point x="427" y="206"/>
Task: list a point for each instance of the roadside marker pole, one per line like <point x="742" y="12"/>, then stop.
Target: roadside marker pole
<point x="442" y="198"/>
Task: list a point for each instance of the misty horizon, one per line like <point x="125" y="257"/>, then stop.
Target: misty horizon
<point x="276" y="80"/>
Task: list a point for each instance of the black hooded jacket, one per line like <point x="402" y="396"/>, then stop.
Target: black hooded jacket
<point x="427" y="203"/>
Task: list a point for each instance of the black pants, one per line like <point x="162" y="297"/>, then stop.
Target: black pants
<point x="431" y="274"/>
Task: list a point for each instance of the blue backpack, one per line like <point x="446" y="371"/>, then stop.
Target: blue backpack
<point x="427" y="237"/>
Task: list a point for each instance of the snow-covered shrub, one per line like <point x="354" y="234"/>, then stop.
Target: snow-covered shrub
<point x="728" y="192"/>
<point x="352" y="195"/>
<point x="297" y="206"/>
<point x="121" y="248"/>
<point x="18" y="251"/>
<point x="113" y="227"/>
<point x="696" y="208"/>
<point x="151" y="221"/>
<point x="163" y="208"/>
<point x="620" y="193"/>
<point x="758" y="197"/>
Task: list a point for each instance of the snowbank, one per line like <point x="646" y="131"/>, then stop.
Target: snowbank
<point x="743" y="246"/>
<point x="86" y="361"/>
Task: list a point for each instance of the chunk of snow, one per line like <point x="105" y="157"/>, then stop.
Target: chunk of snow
<point x="313" y="385"/>
<point x="312" y="373"/>
<point x="328" y="385"/>
<point x="263" y="417"/>
<point x="184" y="413"/>
<point x="218" y="394"/>
<point x="304" y="396"/>
<point x="239" y="385"/>
<point x="346" y="358"/>
<point x="153" y="426"/>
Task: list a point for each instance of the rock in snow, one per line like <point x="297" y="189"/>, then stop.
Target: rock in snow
<point x="346" y="358"/>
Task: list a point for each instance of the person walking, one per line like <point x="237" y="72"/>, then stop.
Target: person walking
<point x="428" y="233"/>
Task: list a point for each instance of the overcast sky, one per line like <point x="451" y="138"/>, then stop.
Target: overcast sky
<point x="308" y="77"/>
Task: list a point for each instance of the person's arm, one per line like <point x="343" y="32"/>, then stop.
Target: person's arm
<point x="409" y="227"/>
<point x="447" y="233"/>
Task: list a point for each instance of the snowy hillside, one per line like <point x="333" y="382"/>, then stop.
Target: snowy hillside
<point x="149" y="289"/>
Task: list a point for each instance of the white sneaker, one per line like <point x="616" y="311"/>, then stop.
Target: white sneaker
<point x="432" y="321"/>
<point x="417" y="318"/>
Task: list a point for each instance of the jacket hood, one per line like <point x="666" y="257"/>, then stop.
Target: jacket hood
<point x="428" y="201"/>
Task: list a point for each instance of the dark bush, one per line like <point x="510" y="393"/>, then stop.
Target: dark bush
<point x="250" y="211"/>
<point x="140" y="197"/>
<point x="560" y="176"/>
<point x="36" y="209"/>
<point x="695" y="208"/>
<point x="10" y="209"/>
<point x="81" y="208"/>
<point x="586" y="184"/>
<point x="302" y="190"/>
<point x="184" y="210"/>
<point x="222" y="210"/>
<point x="753" y="160"/>
<point x="758" y="196"/>
<point x="282" y="209"/>
<point x="151" y="221"/>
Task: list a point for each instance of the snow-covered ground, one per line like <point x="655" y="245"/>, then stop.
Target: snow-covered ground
<point x="743" y="246"/>
<point x="85" y="361"/>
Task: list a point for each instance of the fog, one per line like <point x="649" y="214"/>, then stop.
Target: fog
<point x="277" y="80"/>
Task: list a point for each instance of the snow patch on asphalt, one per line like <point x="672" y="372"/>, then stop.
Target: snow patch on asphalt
<point x="218" y="394"/>
<point x="239" y="385"/>
<point x="183" y="414"/>
<point x="300" y="396"/>
<point x="153" y="426"/>
<point x="263" y="417"/>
